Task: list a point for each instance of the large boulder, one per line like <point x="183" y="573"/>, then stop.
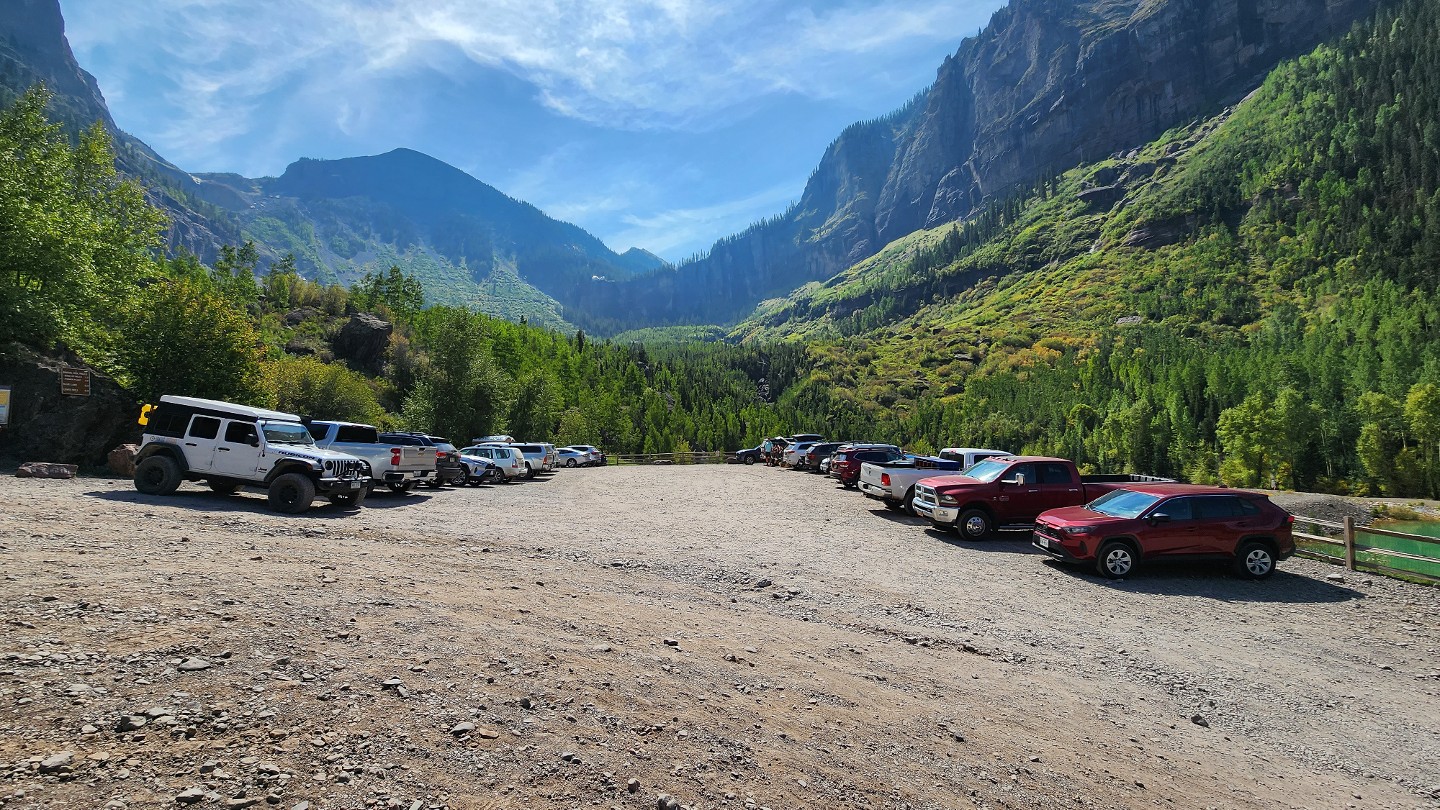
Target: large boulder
<point x="67" y="429"/>
<point x="122" y="460"/>
<point x="363" y="342"/>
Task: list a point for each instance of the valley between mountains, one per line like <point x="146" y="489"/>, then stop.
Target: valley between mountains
<point x="550" y="652"/>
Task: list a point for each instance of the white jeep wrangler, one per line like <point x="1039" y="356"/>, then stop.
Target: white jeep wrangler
<point x="229" y="446"/>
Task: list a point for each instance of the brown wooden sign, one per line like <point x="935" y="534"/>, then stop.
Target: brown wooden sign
<point x="75" y="382"/>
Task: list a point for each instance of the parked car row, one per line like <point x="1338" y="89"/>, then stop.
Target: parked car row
<point x="228" y="446"/>
<point x="1109" y="523"/>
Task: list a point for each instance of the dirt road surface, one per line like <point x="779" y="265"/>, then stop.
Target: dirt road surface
<point x="642" y="637"/>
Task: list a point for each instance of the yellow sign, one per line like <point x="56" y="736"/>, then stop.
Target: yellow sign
<point x="4" y="404"/>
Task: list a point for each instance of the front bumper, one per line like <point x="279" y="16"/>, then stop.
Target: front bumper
<point x="939" y="515"/>
<point x="1053" y="547"/>
<point x="329" y="485"/>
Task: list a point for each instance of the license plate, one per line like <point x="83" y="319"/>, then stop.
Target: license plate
<point x="1042" y="542"/>
<point x="349" y="485"/>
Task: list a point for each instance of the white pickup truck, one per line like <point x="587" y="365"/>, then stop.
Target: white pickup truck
<point x="893" y="482"/>
<point x="399" y="467"/>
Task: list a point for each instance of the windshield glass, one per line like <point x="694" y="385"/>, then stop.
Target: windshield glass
<point x="286" y="433"/>
<point x="986" y="471"/>
<point x="1123" y="503"/>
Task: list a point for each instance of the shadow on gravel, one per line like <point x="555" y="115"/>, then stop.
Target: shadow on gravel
<point x="898" y="517"/>
<point x="1213" y="581"/>
<point x="1007" y="542"/>
<point x="254" y="501"/>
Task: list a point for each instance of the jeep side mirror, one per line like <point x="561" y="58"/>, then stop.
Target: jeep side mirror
<point x="1159" y="517"/>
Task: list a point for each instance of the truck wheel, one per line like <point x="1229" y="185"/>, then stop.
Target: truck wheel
<point x="222" y="487"/>
<point x="1116" y="560"/>
<point x="529" y="472"/>
<point x="1254" y="560"/>
<point x="157" y="475"/>
<point x="974" y="524"/>
<point x="349" y="499"/>
<point x="893" y="506"/>
<point x="435" y="483"/>
<point x="908" y="505"/>
<point x="749" y="460"/>
<point x="291" y="493"/>
<point x="401" y="488"/>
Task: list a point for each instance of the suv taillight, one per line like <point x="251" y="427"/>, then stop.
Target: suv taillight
<point x="439" y="454"/>
<point x="395" y="457"/>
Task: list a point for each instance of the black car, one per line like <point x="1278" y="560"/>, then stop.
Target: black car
<point x="751" y="455"/>
<point x="449" y="469"/>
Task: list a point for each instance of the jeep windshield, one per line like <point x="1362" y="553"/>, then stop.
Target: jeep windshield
<point x="1123" y="503"/>
<point x="286" y="433"/>
<point x="986" y="471"/>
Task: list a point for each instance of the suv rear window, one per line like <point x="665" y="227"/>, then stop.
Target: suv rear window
<point x="529" y="448"/>
<point x="356" y="433"/>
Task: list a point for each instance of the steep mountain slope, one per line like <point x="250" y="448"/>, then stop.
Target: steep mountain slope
<point x="1252" y="297"/>
<point x="1047" y="85"/>
<point x="466" y="241"/>
<point x="33" y="48"/>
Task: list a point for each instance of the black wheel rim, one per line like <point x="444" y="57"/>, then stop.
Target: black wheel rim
<point x="289" y="494"/>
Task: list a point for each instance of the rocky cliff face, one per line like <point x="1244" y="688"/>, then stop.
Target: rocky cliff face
<point x="1047" y="85"/>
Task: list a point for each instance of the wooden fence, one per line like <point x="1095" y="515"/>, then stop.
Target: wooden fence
<point x="696" y="457"/>
<point x="1347" y="538"/>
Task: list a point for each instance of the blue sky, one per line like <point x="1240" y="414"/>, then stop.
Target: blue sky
<point x="663" y="124"/>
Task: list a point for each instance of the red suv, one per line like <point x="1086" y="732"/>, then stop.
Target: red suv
<point x="1169" y="521"/>
<point x="845" y="464"/>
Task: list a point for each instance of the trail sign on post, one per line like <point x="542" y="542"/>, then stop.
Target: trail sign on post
<point x="75" y="382"/>
<point x="4" y="404"/>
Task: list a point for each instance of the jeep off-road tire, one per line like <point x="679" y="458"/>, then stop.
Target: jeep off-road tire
<point x="291" y="493"/>
<point x="157" y="475"/>
<point x="350" y="500"/>
<point x="223" y="487"/>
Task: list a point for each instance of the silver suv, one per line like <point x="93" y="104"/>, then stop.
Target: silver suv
<point x="539" y="456"/>
<point x="505" y="457"/>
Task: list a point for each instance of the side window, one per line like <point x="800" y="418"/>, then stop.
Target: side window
<point x="240" y="433"/>
<point x="204" y="427"/>
<point x="317" y="430"/>
<point x="1053" y="473"/>
<point x="1223" y="506"/>
<point x="169" y="420"/>
<point x="1248" y="507"/>
<point x="1178" y="508"/>
<point x="1027" y="469"/>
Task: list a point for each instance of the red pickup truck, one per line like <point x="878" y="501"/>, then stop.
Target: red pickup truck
<point x="1010" y="491"/>
<point x="1169" y="521"/>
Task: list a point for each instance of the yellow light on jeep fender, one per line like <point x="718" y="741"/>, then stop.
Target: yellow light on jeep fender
<point x="145" y="414"/>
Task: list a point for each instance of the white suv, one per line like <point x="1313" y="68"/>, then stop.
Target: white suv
<point x="503" y="456"/>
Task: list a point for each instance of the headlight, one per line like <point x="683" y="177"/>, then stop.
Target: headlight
<point x="1079" y="529"/>
<point x="329" y="465"/>
<point x="947" y="500"/>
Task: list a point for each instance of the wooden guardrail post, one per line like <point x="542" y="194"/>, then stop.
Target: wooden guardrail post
<point x="1349" y="543"/>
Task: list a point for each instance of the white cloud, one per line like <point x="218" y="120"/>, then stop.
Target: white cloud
<point x="667" y="231"/>
<point x="621" y="63"/>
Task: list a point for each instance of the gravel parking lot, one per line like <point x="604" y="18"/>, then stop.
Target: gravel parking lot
<point x="724" y="636"/>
